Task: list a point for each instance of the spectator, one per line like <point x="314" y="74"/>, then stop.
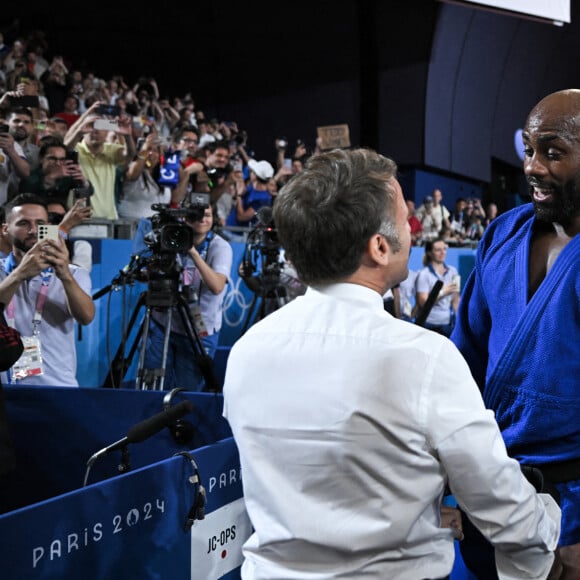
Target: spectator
<point x="429" y="220"/>
<point x="476" y="228"/>
<point x="38" y="269"/>
<point x="99" y="160"/>
<point x="13" y="163"/>
<point x="140" y="187"/>
<point x="441" y="318"/>
<point x="439" y="208"/>
<point x="358" y="392"/>
<point x="433" y="215"/>
<point x="414" y="224"/>
<point x="408" y="296"/>
<point x="256" y="196"/>
<point x="490" y="213"/>
<point x="458" y="222"/>
<point x="55" y="84"/>
<point x="56" y="177"/>
<point x="70" y="112"/>
<point x="212" y="176"/>
<point x="21" y="123"/>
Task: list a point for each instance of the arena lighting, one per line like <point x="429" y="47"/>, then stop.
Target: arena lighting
<point x="548" y="11"/>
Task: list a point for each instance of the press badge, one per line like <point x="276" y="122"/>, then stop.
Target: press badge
<point x="195" y="311"/>
<point x="30" y="362"/>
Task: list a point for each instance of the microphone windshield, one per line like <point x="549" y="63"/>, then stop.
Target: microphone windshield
<point x="149" y="427"/>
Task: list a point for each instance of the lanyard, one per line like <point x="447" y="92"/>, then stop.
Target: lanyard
<point x="191" y="276"/>
<point x="46" y="278"/>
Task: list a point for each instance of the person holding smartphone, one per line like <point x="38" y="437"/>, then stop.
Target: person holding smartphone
<point x="45" y="295"/>
<point x="58" y="176"/>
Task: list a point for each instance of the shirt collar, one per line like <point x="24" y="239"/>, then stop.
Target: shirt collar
<point x="349" y="291"/>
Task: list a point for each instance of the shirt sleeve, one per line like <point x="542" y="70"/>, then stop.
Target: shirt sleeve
<point x="487" y="484"/>
<point x="220" y="258"/>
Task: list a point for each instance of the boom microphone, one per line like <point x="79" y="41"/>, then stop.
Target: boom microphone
<point x="148" y="427"/>
<point x="431" y="299"/>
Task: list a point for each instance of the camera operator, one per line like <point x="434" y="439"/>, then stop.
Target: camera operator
<point x="206" y="269"/>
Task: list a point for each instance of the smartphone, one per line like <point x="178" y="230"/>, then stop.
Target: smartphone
<point x="28" y="101"/>
<point x="110" y="110"/>
<point x="288" y="162"/>
<point x="47" y="232"/>
<point x="83" y="194"/>
<point x="72" y="156"/>
<point x="457" y="280"/>
<point x="106" y="125"/>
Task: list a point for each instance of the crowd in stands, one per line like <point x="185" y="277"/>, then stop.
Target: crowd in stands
<point x="464" y="226"/>
<point x="66" y="134"/>
<point x="126" y="136"/>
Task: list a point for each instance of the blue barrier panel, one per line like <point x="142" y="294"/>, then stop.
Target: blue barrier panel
<point x="130" y="525"/>
<point x="99" y="341"/>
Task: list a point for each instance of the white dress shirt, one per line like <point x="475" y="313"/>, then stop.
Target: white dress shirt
<point x="349" y="424"/>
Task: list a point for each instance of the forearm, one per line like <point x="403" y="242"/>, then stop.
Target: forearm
<point x="21" y="165"/>
<point x="80" y="304"/>
<point x="212" y="279"/>
<point x="130" y="149"/>
<point x="9" y="286"/>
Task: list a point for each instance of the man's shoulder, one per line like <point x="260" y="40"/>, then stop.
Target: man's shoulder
<point x="509" y="222"/>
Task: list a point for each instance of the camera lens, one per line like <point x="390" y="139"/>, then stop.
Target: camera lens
<point x="176" y="238"/>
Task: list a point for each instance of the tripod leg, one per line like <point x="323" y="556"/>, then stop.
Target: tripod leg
<point x="149" y="378"/>
<point x="204" y="361"/>
<point x="120" y="363"/>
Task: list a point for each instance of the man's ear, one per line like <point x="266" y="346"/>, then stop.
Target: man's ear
<point x="379" y="250"/>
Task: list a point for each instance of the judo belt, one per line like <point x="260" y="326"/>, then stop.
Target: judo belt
<point x="562" y="471"/>
<point x="543" y="477"/>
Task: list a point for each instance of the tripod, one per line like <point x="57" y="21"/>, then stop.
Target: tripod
<point x="163" y="294"/>
<point x="267" y="288"/>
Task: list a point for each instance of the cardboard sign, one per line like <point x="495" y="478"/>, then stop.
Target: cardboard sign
<point x="334" y="136"/>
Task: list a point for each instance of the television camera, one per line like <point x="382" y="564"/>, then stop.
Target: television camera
<point x="264" y="269"/>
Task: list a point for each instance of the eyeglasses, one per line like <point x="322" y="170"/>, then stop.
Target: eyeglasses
<point x="190" y="141"/>
<point x="55" y="159"/>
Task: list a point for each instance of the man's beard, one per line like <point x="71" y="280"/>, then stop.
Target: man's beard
<point x="563" y="208"/>
<point x="23" y="245"/>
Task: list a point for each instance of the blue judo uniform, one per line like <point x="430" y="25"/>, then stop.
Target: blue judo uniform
<point x="525" y="354"/>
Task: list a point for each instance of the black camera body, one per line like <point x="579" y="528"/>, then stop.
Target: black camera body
<point x="169" y="233"/>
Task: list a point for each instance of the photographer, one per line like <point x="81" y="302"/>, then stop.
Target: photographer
<point x="206" y="269"/>
<point x="210" y="175"/>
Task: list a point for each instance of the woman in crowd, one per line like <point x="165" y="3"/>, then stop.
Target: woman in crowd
<point x="441" y="318"/>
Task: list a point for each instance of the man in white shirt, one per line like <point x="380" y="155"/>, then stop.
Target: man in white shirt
<point x="350" y="423"/>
